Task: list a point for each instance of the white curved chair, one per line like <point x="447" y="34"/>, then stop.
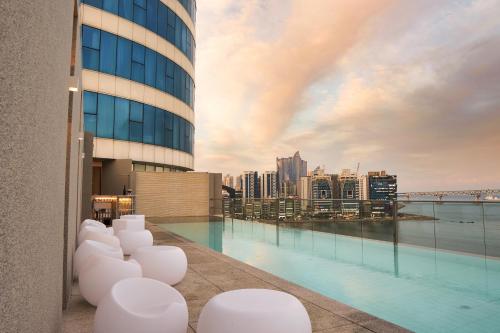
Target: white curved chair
<point x="93" y="223"/>
<point x="91" y="247"/>
<point x="99" y="273"/>
<point x="167" y="264"/>
<point x="254" y="311"/>
<point x="100" y="236"/>
<point x="128" y="224"/>
<point x="83" y="232"/>
<point x="132" y="240"/>
<point x="141" y="305"/>
<point x="110" y="231"/>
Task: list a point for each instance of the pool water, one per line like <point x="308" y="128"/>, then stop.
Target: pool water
<point x="423" y="290"/>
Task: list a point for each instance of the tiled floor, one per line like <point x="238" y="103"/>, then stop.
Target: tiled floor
<point x="210" y="273"/>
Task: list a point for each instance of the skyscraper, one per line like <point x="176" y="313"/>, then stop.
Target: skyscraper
<point x="349" y="187"/>
<point x="364" y="193"/>
<point x="138" y="82"/>
<point x="228" y="180"/>
<point x="269" y="185"/>
<point x="250" y="183"/>
<point x="290" y="169"/>
<point x="382" y="186"/>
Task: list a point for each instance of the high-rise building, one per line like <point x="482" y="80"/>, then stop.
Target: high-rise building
<point x="228" y="180"/>
<point x="238" y="183"/>
<point x="290" y="169"/>
<point x="322" y="193"/>
<point x="269" y="185"/>
<point x="382" y="186"/>
<point x="138" y="87"/>
<point x="364" y="193"/>
<point x="349" y="187"/>
<point x="250" y="183"/>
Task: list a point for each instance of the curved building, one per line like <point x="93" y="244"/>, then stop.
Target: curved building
<point x="138" y="82"/>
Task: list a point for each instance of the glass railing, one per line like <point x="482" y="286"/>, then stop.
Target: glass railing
<point x="460" y="226"/>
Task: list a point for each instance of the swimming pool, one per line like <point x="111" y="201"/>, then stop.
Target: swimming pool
<point x="424" y="290"/>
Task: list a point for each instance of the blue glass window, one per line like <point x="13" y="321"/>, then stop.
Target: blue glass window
<point x="149" y="124"/>
<point x="176" y="133"/>
<point x="150" y="68"/>
<point x="105" y="116"/>
<point x="90" y="102"/>
<point x="138" y="62"/>
<point x="159" y="128"/>
<point x="110" y="6"/>
<point x="160" y="72"/>
<point x="108" y="54"/>
<point x="140" y="13"/>
<point x="162" y="21"/>
<point x="122" y="110"/>
<point x="123" y="58"/>
<point x="169" y="130"/>
<point x="90" y="122"/>
<point x="91" y="37"/>
<point x="95" y="3"/>
<point x="135" y="131"/>
<point x="126" y="9"/>
<point x="136" y="111"/>
<point x="152" y="15"/>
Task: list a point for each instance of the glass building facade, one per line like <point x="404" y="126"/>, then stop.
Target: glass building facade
<point x="168" y="121"/>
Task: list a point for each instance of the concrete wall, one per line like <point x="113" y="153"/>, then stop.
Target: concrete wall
<point x="86" y="212"/>
<point x="166" y="194"/>
<point x="115" y="174"/>
<point x="36" y="38"/>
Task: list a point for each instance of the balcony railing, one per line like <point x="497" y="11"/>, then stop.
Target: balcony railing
<point x="462" y="226"/>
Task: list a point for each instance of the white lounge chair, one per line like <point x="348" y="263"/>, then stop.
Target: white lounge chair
<point x="99" y="273"/>
<point x="127" y="224"/>
<point x="141" y="305"/>
<point x="167" y="264"/>
<point x="132" y="240"/>
<point x="103" y="236"/>
<point x="134" y="216"/>
<point x="94" y="223"/>
<point x="91" y="247"/>
<point x="254" y="311"/>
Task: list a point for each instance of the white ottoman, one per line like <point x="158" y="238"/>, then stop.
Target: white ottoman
<point x="89" y="248"/>
<point x="127" y="224"/>
<point x="131" y="240"/>
<point x="254" y="311"/>
<point x="93" y="223"/>
<point x="167" y="264"/>
<point x="83" y="231"/>
<point x="99" y="235"/>
<point x="134" y="217"/>
<point x="99" y="273"/>
<point x="141" y="305"/>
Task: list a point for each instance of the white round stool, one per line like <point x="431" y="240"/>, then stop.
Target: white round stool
<point x="99" y="273"/>
<point x="94" y="223"/>
<point x="132" y="240"/>
<point x="90" y="247"/>
<point x="128" y="224"/>
<point x="167" y="264"/>
<point x="254" y="311"/>
<point x="141" y="305"/>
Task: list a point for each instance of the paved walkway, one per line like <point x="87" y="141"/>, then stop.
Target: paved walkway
<point x="210" y="273"/>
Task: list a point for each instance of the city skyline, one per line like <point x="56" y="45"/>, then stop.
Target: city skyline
<point x="391" y="88"/>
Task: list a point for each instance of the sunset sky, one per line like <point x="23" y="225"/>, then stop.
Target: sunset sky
<point x="412" y="87"/>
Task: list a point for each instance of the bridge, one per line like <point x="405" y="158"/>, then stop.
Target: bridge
<point x="440" y="194"/>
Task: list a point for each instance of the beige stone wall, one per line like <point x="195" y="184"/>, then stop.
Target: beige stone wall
<point x="174" y="193"/>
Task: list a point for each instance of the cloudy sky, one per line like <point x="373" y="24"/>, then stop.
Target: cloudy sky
<point x="412" y="87"/>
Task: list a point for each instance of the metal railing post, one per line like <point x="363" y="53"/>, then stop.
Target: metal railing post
<point x="395" y="221"/>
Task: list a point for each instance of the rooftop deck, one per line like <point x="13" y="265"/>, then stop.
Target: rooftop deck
<point x="210" y="273"/>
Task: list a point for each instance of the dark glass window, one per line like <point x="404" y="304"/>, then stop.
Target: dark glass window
<point x="108" y="53"/>
<point x="162" y="21"/>
<point x="176" y="133"/>
<point x="122" y="109"/>
<point x="105" y="116"/>
<point x="90" y="122"/>
<point x="149" y="124"/>
<point x="95" y="3"/>
<point x="123" y="58"/>
<point x="160" y="72"/>
<point x="91" y="37"/>
<point x="150" y="68"/>
<point x="152" y="15"/>
<point x="169" y="129"/>
<point x="159" y="128"/>
<point x="136" y="112"/>
<point x="138" y="53"/>
<point x="137" y="62"/>
<point x="139" y="15"/>
<point x="90" y="102"/>
<point x="135" y="131"/>
<point x="141" y="3"/>
<point x="182" y="134"/>
<point x="110" y="6"/>
<point x="126" y="9"/>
